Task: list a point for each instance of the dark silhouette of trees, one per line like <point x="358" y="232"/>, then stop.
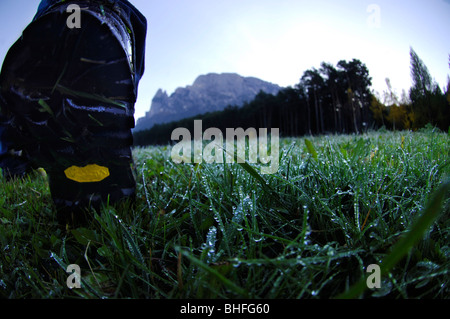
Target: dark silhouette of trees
<point x="314" y="85"/>
<point x="331" y="99"/>
<point x="357" y="83"/>
<point x="333" y="81"/>
<point x="429" y="103"/>
<point x="422" y="89"/>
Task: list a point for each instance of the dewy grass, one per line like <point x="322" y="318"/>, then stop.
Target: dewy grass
<point x="337" y="205"/>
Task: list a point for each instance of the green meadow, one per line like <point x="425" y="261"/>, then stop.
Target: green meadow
<point x="338" y="204"/>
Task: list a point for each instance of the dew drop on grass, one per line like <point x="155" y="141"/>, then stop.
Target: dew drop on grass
<point x="238" y="216"/>
<point x="240" y="212"/>
<point x="257" y="240"/>
<point x="210" y="244"/>
<point x="236" y="262"/>
<point x="300" y="261"/>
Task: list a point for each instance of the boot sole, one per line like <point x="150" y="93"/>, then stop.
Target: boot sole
<point x="70" y="98"/>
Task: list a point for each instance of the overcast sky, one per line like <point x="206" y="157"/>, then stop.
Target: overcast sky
<point x="275" y="40"/>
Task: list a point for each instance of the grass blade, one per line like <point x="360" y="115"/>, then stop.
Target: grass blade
<point x="311" y="148"/>
<point x="46" y="107"/>
<point x="225" y="281"/>
<point x="422" y="224"/>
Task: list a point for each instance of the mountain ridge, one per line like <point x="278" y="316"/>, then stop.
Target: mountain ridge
<point x="209" y="92"/>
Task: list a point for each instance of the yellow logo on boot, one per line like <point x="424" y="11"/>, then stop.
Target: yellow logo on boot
<point x="89" y="174"/>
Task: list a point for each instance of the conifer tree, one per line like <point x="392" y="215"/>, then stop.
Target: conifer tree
<point x="421" y="90"/>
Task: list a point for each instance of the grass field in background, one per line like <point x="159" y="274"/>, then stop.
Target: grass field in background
<point x="337" y="204"/>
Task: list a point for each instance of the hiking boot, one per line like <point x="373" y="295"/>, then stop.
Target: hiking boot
<point x="13" y="163"/>
<point x="67" y="100"/>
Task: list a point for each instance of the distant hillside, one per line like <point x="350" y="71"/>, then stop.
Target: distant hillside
<point x="209" y="93"/>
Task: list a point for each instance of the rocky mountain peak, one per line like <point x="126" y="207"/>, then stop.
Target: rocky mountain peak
<point x="210" y="92"/>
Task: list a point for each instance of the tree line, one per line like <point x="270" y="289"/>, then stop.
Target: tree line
<point x="330" y="99"/>
<point x="425" y="104"/>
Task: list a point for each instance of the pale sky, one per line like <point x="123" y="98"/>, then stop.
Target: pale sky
<point x="275" y="40"/>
